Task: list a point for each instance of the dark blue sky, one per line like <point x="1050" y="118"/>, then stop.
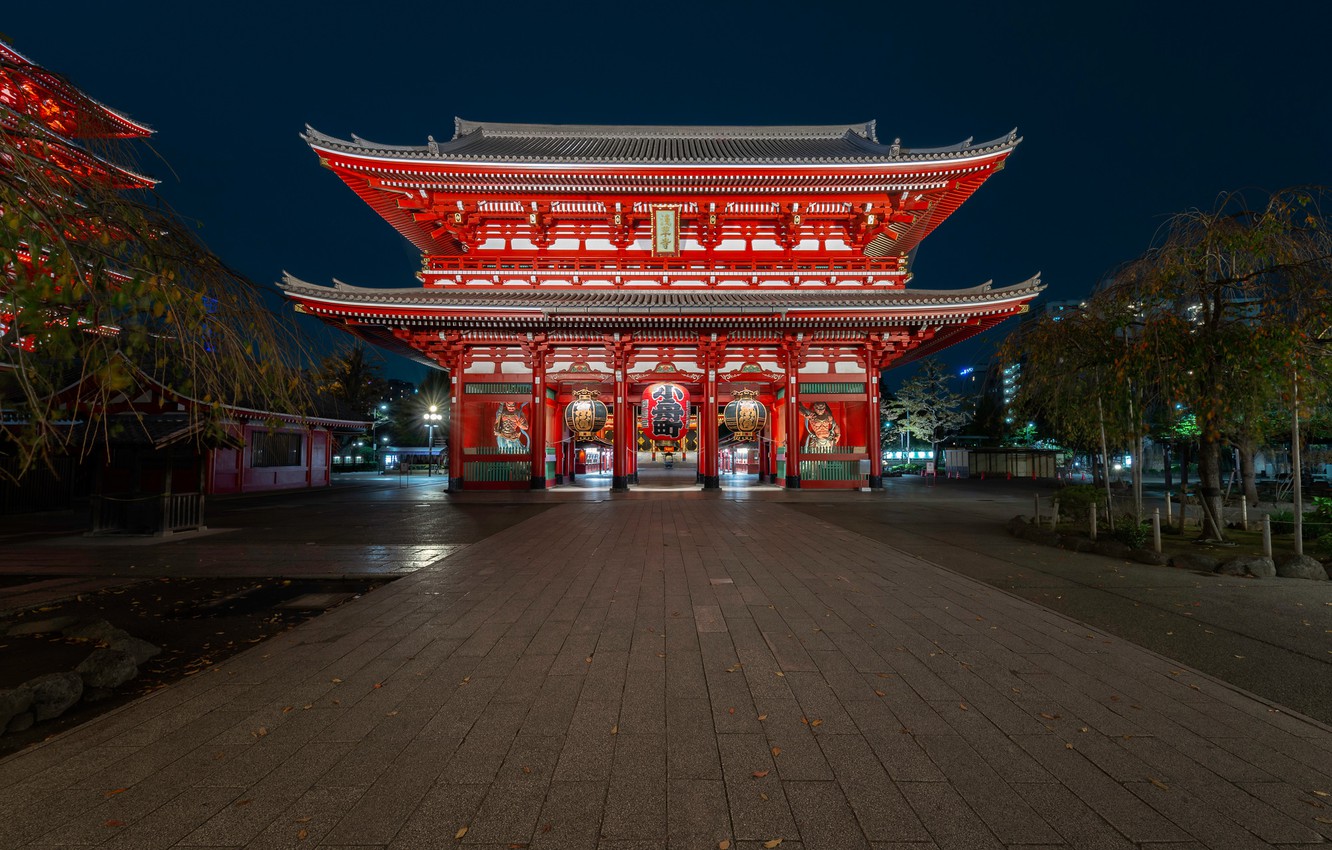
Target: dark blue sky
<point x="1129" y="112"/>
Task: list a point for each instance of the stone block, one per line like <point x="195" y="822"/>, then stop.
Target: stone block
<point x="107" y="668"/>
<point x="1301" y="566"/>
<point x="13" y="702"/>
<point x="1149" y="556"/>
<point x="1248" y="565"/>
<point x="1113" y="549"/>
<point x="53" y="693"/>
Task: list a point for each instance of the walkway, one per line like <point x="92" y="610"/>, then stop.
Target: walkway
<point x="684" y="673"/>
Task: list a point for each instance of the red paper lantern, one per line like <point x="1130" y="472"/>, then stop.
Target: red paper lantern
<point x="665" y="411"/>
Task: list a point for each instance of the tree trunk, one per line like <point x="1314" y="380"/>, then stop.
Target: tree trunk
<point x="1169" y="473"/>
<point x="1209" y="486"/>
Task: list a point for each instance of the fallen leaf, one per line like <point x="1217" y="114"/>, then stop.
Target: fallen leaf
<point x="762" y="796"/>
<point x="768" y="845"/>
<point x="763" y="717"/>
<point x="546" y="828"/>
<point x="816" y="723"/>
<point x="1319" y="793"/>
<point x="337" y="681"/>
<point x="1159" y="784"/>
<point x="391" y="714"/>
<point x="776" y="751"/>
<point x="1068" y="746"/>
<point x="527" y="770"/>
<point x="113" y="792"/>
<point x="1049" y="716"/>
<point x="588" y="659"/>
<point x="114" y="823"/>
<point x="780" y="673"/>
<point x="962" y="705"/>
<point x="1323" y="820"/>
<point x="457" y="836"/>
<point x="378" y="685"/>
<point x="724" y="844"/>
<point x="759" y="774"/>
<point x="260" y="732"/>
<point x="302" y="834"/>
<point x="307" y="706"/>
<point x="240" y="803"/>
<point x="880" y="694"/>
<point x="286" y="708"/>
<point x="615" y="730"/>
<point x="305" y="819"/>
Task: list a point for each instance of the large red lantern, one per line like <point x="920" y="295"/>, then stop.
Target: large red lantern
<point x="665" y="411"/>
<point x="745" y="415"/>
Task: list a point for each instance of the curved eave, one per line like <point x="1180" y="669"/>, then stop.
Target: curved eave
<point x="357" y="306"/>
<point x="96" y="119"/>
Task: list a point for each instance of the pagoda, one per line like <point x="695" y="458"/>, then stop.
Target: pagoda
<point x="668" y="271"/>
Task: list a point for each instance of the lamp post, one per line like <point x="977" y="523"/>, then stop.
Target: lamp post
<point x="432" y="419"/>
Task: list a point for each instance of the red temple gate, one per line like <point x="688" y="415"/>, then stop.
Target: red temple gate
<point x="765" y="260"/>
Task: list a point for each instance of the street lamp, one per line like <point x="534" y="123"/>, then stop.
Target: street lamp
<point x="432" y="419"/>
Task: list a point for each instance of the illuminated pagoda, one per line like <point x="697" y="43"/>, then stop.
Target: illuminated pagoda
<point x="621" y="259"/>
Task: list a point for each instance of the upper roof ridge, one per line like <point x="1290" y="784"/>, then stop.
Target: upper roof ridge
<point x="499" y="129"/>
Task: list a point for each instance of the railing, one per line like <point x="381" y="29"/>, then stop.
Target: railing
<point x="161" y="514"/>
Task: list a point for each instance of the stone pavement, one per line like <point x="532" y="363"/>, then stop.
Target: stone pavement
<point x="683" y="673"/>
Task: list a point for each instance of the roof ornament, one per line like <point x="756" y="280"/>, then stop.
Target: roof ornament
<point x="432" y="145"/>
<point x="895" y="149"/>
<point x="968" y="142"/>
<point x="1013" y="136"/>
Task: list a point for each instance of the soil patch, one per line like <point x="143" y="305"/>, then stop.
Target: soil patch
<point x="198" y="622"/>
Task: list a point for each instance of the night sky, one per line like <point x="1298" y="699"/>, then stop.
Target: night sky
<point x="1128" y="112"/>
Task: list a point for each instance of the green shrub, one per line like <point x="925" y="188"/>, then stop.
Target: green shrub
<point x="1283" y="522"/>
<point x="1131" y="532"/>
<point x="1076" y="500"/>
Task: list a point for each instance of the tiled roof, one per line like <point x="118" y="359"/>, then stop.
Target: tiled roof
<point x="607" y="144"/>
<point x="678" y="302"/>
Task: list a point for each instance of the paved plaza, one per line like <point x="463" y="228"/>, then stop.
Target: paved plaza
<point x="662" y="671"/>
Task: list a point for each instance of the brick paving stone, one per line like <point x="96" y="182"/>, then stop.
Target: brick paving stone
<point x="882" y="811"/>
<point x="824" y="816"/>
<point x="990" y="795"/>
<point x="696" y="813"/>
<point x="947" y="818"/>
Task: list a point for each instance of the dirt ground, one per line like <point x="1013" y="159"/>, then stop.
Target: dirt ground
<point x="197" y="622"/>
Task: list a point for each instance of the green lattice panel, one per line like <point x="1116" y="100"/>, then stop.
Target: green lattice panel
<point x="829" y="470"/>
<point x="497" y="389"/>
<point x="833" y="388"/>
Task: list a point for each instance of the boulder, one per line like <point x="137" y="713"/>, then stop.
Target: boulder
<point x="53" y="693"/>
<point x="107" y="668"/>
<point x="1149" y="556"/>
<point x="20" y="722"/>
<point x="40" y="627"/>
<point x="1194" y="561"/>
<point x="1112" y="549"/>
<point x="1257" y="566"/>
<point x="13" y="702"/>
<point x="137" y="648"/>
<point x="1301" y="566"/>
<point x="98" y="630"/>
<point x="1017" y="523"/>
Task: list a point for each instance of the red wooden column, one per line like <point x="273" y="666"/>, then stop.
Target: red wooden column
<point x="456" y="427"/>
<point x="624" y="415"/>
<point x="710" y="357"/>
<point x="624" y="431"/>
<point x="872" y="424"/>
<point x="454" y="357"/>
<point x="793" y="430"/>
<point x="537" y="426"/>
<point x="792" y="354"/>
